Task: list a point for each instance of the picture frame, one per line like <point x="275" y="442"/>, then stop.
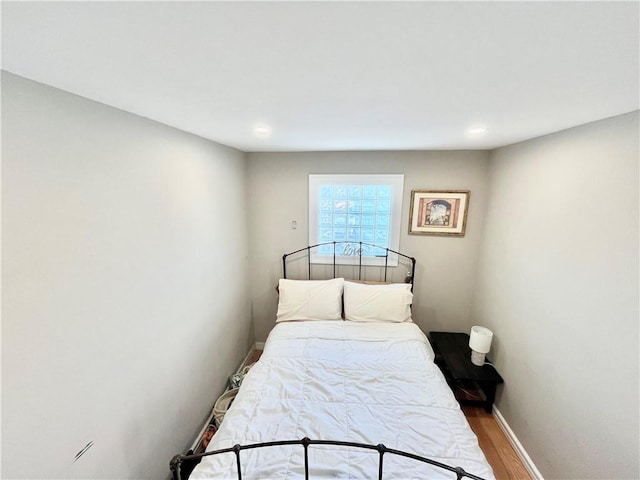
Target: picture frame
<point x="439" y="212"/>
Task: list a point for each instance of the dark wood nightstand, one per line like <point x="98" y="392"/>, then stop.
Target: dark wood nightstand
<point x="471" y="385"/>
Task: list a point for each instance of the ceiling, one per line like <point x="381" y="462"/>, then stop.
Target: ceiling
<point x="338" y="75"/>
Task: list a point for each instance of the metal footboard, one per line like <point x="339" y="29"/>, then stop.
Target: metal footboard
<point x="177" y="461"/>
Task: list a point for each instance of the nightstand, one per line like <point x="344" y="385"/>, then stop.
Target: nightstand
<point x="471" y="385"/>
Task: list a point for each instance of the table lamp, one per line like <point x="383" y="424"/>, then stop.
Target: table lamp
<point x="480" y="344"/>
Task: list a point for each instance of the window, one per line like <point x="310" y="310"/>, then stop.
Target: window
<point x="349" y="209"/>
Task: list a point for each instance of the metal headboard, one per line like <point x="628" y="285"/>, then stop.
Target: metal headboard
<point x="387" y="251"/>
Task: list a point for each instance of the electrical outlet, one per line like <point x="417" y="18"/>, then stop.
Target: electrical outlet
<point x="294" y="225"/>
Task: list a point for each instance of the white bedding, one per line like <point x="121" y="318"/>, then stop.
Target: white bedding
<point x="359" y="382"/>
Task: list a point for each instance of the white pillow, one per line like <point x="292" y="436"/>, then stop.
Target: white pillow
<point x="377" y="303"/>
<point x="310" y="300"/>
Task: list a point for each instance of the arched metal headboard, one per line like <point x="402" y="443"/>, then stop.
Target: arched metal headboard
<point x="409" y="279"/>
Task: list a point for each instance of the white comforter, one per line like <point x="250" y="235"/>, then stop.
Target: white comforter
<point x="346" y="381"/>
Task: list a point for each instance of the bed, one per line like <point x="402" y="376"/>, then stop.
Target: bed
<point x="353" y="398"/>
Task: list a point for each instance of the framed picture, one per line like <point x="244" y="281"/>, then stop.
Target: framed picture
<point x="438" y="212"/>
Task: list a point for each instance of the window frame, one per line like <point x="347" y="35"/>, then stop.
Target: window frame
<point x="396" y="181"/>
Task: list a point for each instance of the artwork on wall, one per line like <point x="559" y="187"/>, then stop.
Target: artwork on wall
<point x="438" y="212"/>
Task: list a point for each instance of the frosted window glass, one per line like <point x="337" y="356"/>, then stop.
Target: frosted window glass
<point x="352" y="208"/>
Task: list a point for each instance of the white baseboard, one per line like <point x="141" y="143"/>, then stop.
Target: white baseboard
<point x="256" y="346"/>
<point x="517" y="446"/>
<point x="246" y="359"/>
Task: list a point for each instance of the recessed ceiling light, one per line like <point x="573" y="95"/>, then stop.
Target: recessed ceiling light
<point x="262" y="131"/>
<point x="477" y="130"/>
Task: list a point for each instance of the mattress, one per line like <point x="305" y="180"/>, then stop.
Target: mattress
<point x="346" y="381"/>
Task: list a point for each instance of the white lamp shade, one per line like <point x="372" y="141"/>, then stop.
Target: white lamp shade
<point x="480" y="339"/>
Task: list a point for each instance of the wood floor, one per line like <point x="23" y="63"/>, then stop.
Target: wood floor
<point x="254" y="357"/>
<point x="496" y="447"/>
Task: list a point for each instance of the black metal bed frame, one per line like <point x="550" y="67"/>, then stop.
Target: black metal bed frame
<point x="176" y="462"/>
<point x="190" y="460"/>
<point x="360" y="244"/>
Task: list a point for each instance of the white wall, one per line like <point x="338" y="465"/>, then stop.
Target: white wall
<point x="124" y="276"/>
<point x="278" y="194"/>
<point x="558" y="285"/>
